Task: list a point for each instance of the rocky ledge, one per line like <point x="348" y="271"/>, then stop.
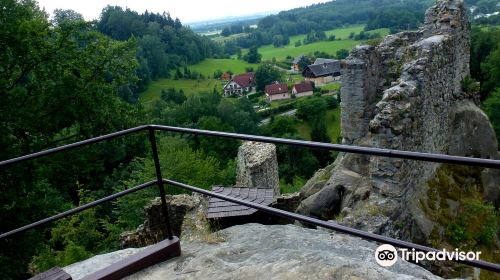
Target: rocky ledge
<point x="254" y="251"/>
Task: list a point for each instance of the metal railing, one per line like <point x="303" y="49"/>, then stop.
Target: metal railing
<point x="160" y="181"/>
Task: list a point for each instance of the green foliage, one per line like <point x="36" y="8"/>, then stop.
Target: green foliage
<point x="253" y="56"/>
<point x="455" y="203"/>
<point x="164" y="43"/>
<point x="469" y="85"/>
<point x="266" y="74"/>
<point x="484" y="43"/>
<point x="311" y="108"/>
<point x="334" y="14"/>
<point x="342" y="53"/>
<point x="73" y="239"/>
<point x="179" y="162"/>
<point x="59" y="84"/>
<point x="292" y="187"/>
<point x="171" y="95"/>
<point x="490" y="69"/>
<point x="276" y="110"/>
<point x="491" y="107"/>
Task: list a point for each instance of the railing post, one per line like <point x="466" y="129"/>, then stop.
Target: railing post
<point x="164" y="207"/>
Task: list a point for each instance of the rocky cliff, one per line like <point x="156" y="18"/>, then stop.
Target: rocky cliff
<point x="254" y="251"/>
<point x="406" y="94"/>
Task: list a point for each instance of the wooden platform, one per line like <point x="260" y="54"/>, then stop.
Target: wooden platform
<point x="152" y="255"/>
<point x="218" y="208"/>
<point x="54" y="273"/>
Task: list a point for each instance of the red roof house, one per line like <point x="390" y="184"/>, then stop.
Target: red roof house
<point x="303" y="89"/>
<point x="276" y="92"/>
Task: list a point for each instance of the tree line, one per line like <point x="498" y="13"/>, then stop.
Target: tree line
<point x="397" y="15"/>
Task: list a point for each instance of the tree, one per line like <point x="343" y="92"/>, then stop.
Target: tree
<point x="491" y="72"/>
<point x="253" y="55"/>
<point x="342" y="54"/>
<point x="266" y="74"/>
<point x="311" y="108"/>
<point x="491" y="107"/>
<point x="319" y="133"/>
<point x="304" y="62"/>
<point x="171" y="95"/>
<point x="61" y="85"/>
<point x="226" y="31"/>
<point x="61" y="16"/>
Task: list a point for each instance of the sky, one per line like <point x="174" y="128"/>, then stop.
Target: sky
<point x="186" y="10"/>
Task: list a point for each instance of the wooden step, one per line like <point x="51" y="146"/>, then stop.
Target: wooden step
<point x="150" y="256"/>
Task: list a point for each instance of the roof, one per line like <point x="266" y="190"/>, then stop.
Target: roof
<point x="297" y="59"/>
<point x="276" y="89"/>
<point x="303" y="87"/>
<point x="244" y="80"/>
<point x="320" y="60"/>
<point x="218" y="208"/>
<point x="325" y="69"/>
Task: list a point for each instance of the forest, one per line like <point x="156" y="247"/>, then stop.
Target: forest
<point x="65" y="80"/>
<point x="396" y="15"/>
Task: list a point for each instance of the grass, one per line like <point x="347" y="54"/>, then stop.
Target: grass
<point x="334" y="86"/>
<point x="208" y="66"/>
<point x="330" y="47"/>
<point x="188" y="86"/>
<point x="342" y="33"/>
<point x="332" y="119"/>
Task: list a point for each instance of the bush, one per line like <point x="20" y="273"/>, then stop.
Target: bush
<point x="276" y="110"/>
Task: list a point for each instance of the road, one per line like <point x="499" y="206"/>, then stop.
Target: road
<point x="287" y="113"/>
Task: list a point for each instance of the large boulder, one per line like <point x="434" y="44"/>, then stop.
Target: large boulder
<point x="255" y="251"/>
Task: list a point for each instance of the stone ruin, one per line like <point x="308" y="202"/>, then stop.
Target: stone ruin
<point x="257" y="166"/>
<point x="405" y="94"/>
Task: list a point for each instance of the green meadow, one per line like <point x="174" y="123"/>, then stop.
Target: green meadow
<point x="332" y="119"/>
<point x="189" y="87"/>
<point x="330" y="47"/>
<point x="208" y="66"/>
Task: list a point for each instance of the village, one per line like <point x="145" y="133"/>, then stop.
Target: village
<point x="322" y="72"/>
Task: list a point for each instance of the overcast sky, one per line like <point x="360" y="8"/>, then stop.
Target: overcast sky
<point x="185" y="10"/>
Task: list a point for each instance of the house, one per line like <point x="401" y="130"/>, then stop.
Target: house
<point x="240" y="84"/>
<point x="295" y="63"/>
<point x="323" y="73"/>
<point x="320" y="60"/>
<point x="276" y="92"/>
<point x="302" y="89"/>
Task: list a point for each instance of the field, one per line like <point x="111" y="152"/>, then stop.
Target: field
<point x="208" y="66"/>
<point x="334" y="86"/>
<point x="188" y="86"/>
<point x="332" y="119"/>
<point x="330" y="47"/>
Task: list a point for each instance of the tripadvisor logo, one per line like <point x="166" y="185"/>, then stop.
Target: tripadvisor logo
<point x="387" y="255"/>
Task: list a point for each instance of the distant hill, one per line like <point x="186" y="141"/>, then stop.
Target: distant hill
<point x="396" y="15"/>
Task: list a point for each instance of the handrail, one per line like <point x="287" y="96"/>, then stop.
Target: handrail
<point x="77" y="209"/>
<point x="430" y="157"/>
<point x="332" y="226"/>
<point x="439" y="158"/>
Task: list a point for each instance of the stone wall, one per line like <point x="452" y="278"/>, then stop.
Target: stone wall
<point x="405" y="94"/>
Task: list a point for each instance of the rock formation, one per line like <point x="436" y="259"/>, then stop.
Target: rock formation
<point x="257" y="166"/>
<point x="406" y="94"/>
<point x="255" y="251"/>
<point x="181" y="208"/>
